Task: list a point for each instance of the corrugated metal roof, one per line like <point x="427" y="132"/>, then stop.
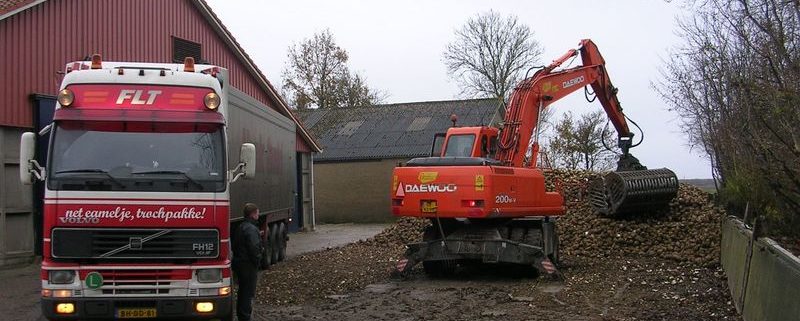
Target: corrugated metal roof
<point x="7" y="6"/>
<point x="390" y="131"/>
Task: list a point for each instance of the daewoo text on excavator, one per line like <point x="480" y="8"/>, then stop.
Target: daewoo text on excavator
<point x="485" y="195"/>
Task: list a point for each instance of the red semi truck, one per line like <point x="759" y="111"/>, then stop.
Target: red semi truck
<point x="148" y="168"/>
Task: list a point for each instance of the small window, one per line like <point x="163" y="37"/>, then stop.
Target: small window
<point x="459" y="145"/>
<point x="182" y="48"/>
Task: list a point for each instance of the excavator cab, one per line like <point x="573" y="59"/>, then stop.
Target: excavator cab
<point x="480" y="142"/>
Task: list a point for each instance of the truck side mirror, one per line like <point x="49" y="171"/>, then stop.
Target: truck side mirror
<point x="247" y="163"/>
<point x="248" y="157"/>
<point x="28" y="166"/>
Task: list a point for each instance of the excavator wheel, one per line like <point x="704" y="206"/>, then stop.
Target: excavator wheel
<point x="517" y="234"/>
<point x="437" y="268"/>
<point x="533" y="236"/>
<point x="627" y="192"/>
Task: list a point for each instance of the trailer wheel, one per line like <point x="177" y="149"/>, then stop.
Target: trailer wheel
<point x="281" y="242"/>
<point x="273" y="241"/>
<point x="266" y="250"/>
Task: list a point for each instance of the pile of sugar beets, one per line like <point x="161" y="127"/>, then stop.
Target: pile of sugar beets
<point x="686" y="231"/>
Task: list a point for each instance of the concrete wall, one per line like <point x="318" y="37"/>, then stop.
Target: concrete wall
<point x="16" y="206"/>
<point x="355" y="192"/>
<point x="763" y="277"/>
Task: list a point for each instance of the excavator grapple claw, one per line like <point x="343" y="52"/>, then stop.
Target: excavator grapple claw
<point x="630" y="192"/>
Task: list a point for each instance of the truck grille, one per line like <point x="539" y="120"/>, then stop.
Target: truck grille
<point x="80" y="243"/>
<point x="141" y="282"/>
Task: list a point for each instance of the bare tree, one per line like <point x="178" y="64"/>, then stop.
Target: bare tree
<point x="490" y="54"/>
<point x="735" y="82"/>
<point x="317" y="76"/>
<point x="579" y="144"/>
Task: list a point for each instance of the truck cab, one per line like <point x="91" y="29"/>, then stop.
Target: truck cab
<point x="137" y="204"/>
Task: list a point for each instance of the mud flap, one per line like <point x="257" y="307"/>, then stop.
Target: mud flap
<point x="402" y="269"/>
<point x="415" y="253"/>
<point x="550" y="270"/>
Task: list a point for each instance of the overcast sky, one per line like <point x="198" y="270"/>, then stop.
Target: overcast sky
<point x="398" y="46"/>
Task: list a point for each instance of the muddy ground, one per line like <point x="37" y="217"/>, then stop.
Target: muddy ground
<point x="612" y="289"/>
<point x="664" y="267"/>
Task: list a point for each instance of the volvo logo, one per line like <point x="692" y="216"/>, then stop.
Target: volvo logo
<point x="135" y="243"/>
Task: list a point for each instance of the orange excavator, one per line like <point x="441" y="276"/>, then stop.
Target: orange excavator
<point x="485" y="195"/>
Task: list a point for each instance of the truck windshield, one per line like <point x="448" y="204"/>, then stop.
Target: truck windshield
<point x="137" y="156"/>
<point x="460" y="145"/>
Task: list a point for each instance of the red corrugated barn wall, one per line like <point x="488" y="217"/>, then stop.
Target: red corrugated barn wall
<point x="35" y="44"/>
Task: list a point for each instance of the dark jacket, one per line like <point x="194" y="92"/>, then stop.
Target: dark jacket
<point x="247" y="246"/>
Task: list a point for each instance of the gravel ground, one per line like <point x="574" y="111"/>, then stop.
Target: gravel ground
<point x="635" y="289"/>
<point x="20" y="298"/>
<point x="661" y="266"/>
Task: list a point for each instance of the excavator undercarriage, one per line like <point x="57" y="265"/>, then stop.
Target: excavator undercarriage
<point x="528" y="242"/>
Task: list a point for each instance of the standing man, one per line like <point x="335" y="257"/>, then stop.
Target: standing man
<point x="247" y="251"/>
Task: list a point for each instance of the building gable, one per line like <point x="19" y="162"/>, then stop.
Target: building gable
<point x="39" y="41"/>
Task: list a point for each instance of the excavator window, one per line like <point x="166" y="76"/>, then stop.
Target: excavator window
<point x="438" y="142"/>
<point x="484" y="146"/>
<point x="492" y="146"/>
<point x="460" y="145"/>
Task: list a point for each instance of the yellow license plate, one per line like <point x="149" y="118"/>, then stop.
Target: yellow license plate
<point x="136" y="313"/>
<point x="429" y="206"/>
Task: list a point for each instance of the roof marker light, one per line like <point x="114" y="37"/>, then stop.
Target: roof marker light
<point x="65" y="97"/>
<point x="188" y="64"/>
<point x="211" y="100"/>
<point x="97" y="61"/>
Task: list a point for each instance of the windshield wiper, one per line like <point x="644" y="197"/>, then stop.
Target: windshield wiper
<point x="93" y="170"/>
<point x="188" y="178"/>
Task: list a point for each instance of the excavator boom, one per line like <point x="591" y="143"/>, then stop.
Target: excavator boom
<point x="547" y="86"/>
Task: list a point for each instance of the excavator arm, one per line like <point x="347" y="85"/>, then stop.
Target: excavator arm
<point x="628" y="189"/>
<point x="546" y="87"/>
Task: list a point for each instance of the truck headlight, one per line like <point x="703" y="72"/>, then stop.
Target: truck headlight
<point x="61" y="276"/>
<point x="209" y="275"/>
